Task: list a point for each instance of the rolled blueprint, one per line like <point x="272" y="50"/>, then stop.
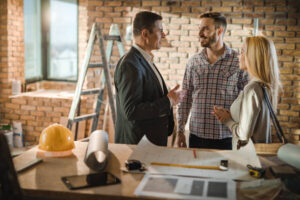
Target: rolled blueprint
<point x="289" y="153"/>
<point x="97" y="153"/>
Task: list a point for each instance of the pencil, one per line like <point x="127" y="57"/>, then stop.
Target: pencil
<point x="195" y="155"/>
<point x="187" y="166"/>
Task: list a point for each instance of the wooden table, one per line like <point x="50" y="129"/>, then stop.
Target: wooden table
<point x="44" y="180"/>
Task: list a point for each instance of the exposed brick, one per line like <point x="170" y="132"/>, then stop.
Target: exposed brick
<point x="180" y="20"/>
<point x="291" y="52"/>
<point x="275" y="3"/>
<point x="240" y="32"/>
<point x="222" y="9"/>
<point x="122" y="20"/>
<point x="254" y="15"/>
<point x="44" y="108"/>
<point x="285" y="46"/>
<point x="199" y="9"/>
<point x="271" y="14"/>
<point x="194" y="33"/>
<point x="286" y="9"/>
<point x="95" y="3"/>
<point x="173" y="37"/>
<point x="294" y="15"/>
<point x="53" y="114"/>
<point x="188" y="38"/>
<point x="266" y="21"/>
<point x="264" y="9"/>
<point x="289" y="113"/>
<point x="190" y="3"/>
<point x="104" y="8"/>
<point x="104" y="20"/>
<point x="112" y="3"/>
<point x="284" y="34"/>
<point x="242" y="21"/>
<point x="132" y="3"/>
<point x="275" y="27"/>
<point x="282" y="118"/>
<point x="180" y="44"/>
<point x="243" y="9"/>
<point x="19" y="101"/>
<point x="161" y="9"/>
<point x="12" y="106"/>
<point x="190" y="27"/>
<point x="286" y="70"/>
<point x="38" y="113"/>
<point x="231" y="3"/>
<point x="286" y="21"/>
<point x="253" y="3"/>
<point x="150" y="3"/>
<point x="180" y="55"/>
<point x="187" y="50"/>
<point x="275" y="15"/>
<point x="28" y="107"/>
<point x="180" y="10"/>
<point x="293" y="28"/>
<point x="295" y="107"/>
<point x="211" y="3"/>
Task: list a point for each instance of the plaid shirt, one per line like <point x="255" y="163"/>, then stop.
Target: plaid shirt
<point x="208" y="85"/>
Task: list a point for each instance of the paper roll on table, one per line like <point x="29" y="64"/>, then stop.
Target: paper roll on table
<point x="97" y="152"/>
<point x="289" y="153"/>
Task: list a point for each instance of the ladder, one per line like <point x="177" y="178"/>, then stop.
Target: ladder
<point x="96" y="34"/>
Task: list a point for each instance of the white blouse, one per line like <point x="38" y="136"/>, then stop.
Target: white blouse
<point x="250" y="114"/>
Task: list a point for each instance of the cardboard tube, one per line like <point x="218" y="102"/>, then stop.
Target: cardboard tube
<point x="97" y="151"/>
<point x="289" y="153"/>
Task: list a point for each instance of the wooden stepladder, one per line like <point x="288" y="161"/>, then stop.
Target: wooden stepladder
<point x="96" y="34"/>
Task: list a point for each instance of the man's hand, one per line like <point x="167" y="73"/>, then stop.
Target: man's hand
<point x="176" y="96"/>
<point x="181" y="140"/>
<point x="221" y="114"/>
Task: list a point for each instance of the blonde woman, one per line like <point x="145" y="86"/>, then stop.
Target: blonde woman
<point x="249" y="115"/>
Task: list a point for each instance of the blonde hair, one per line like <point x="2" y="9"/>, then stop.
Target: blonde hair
<point x="262" y="64"/>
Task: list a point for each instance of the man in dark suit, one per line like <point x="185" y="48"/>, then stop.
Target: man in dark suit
<point x="144" y="105"/>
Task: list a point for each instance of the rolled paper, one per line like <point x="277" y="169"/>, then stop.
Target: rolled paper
<point x="97" y="151"/>
<point x="289" y="153"/>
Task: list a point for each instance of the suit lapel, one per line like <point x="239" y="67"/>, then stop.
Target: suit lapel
<point x="153" y="75"/>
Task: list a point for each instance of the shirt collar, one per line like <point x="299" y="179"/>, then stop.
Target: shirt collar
<point x="227" y="51"/>
<point x="146" y="55"/>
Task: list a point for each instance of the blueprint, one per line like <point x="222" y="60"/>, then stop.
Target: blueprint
<point x="146" y="152"/>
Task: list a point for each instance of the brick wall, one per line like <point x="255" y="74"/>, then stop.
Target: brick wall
<point x="4" y="86"/>
<point x="278" y="20"/>
<point x="12" y="50"/>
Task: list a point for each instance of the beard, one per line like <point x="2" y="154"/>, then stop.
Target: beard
<point x="208" y="40"/>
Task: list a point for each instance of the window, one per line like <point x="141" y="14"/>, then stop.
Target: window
<point x="50" y="37"/>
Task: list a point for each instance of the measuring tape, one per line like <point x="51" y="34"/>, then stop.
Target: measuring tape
<point x="256" y="172"/>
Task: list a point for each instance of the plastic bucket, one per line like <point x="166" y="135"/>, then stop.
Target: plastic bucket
<point x="9" y="137"/>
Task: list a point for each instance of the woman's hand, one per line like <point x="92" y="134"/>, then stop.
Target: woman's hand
<point x="181" y="140"/>
<point x="221" y="114"/>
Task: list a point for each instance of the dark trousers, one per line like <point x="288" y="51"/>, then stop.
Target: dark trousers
<point x="196" y="142"/>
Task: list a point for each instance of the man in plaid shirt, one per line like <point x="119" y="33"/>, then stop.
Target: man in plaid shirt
<point x="212" y="78"/>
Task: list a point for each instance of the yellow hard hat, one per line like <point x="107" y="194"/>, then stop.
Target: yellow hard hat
<point x="56" y="138"/>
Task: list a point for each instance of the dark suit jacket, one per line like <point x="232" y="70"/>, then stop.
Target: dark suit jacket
<point x="142" y="107"/>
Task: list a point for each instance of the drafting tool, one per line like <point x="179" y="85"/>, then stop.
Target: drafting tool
<point x="223" y="166"/>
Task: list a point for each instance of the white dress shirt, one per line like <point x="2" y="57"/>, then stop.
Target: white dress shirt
<point x="250" y="115"/>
